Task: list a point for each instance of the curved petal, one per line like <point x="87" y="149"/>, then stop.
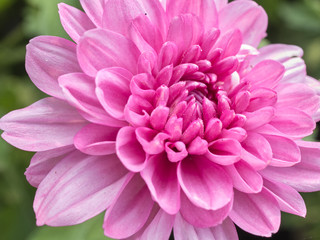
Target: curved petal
<point x="130" y="212"/>
<point x="96" y="139"/>
<point x="43" y="162"/>
<point x="94" y="10"/>
<point x="206" y="184"/>
<point x="113" y="91"/>
<point x="246" y="16"/>
<point x="259" y="117"/>
<point x="79" y="90"/>
<point x="47" y="58"/>
<point x="183" y="230"/>
<point x="161" y="177"/>
<point x="257" y="213"/>
<point x="78" y="188"/>
<point x="74" y="21"/>
<point x="47" y="124"/>
<point x="100" y="48"/>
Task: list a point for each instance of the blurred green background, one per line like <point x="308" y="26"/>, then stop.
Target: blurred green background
<point x="290" y="21"/>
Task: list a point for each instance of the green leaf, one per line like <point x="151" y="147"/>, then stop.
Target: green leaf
<point x="89" y="230"/>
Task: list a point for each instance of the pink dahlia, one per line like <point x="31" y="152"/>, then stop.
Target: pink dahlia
<point x="167" y="116"/>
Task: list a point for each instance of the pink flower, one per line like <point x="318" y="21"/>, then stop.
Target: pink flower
<point x="167" y="116"/>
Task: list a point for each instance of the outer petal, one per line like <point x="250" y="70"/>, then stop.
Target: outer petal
<point x="96" y="139"/>
<point x="113" y="90"/>
<point x="99" y="48"/>
<point x="47" y="124"/>
<point x="258" y="213"/>
<point x="248" y="17"/>
<point x="130" y="211"/>
<point x="47" y="58"/>
<point x="43" y="162"/>
<point x="206" y="184"/>
<point x="183" y="230"/>
<point x="161" y="177"/>
<point x="78" y="188"/>
<point x="94" y="10"/>
<point x="79" y="90"/>
<point x="74" y="21"/>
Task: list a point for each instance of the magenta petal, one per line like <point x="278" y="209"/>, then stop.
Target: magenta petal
<point x="79" y="90"/>
<point x="259" y="117"/>
<point x="99" y="49"/>
<point x="176" y="151"/>
<point x="113" y="90"/>
<point x="289" y="199"/>
<point x="96" y="139"/>
<point x="78" y="188"/>
<point x="206" y="184"/>
<point x="161" y="177"/>
<point x="246" y="16"/>
<point x="47" y="58"/>
<point x="94" y="10"/>
<point x="47" y="124"/>
<point x="203" y="218"/>
<point x="260" y="98"/>
<point x="256" y="213"/>
<point x="130" y="211"/>
<point x="129" y="150"/>
<point x="244" y="177"/>
<point x="43" y="162"/>
<point x="224" y="151"/>
<point x="74" y="21"/>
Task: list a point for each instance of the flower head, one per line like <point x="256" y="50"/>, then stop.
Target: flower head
<point x="167" y="116"/>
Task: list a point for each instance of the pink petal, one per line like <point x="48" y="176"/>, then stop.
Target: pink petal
<point x="94" y="10"/>
<point x="246" y="16"/>
<point x="78" y="188"/>
<point x="137" y="111"/>
<point x="99" y="48"/>
<point x="203" y="218"/>
<point x="79" y="90"/>
<point x="295" y="70"/>
<point x="130" y="211"/>
<point x="129" y="150"/>
<point x="206" y="184"/>
<point x="289" y="199"/>
<point x="183" y="229"/>
<point x="204" y="9"/>
<point x="293" y="122"/>
<point x="224" y="151"/>
<point x="43" y="162"/>
<point x="304" y="176"/>
<point x="230" y="43"/>
<point x="285" y="152"/>
<point x="161" y="177"/>
<point x="47" y="58"/>
<point x="113" y="90"/>
<point x="267" y="74"/>
<point x="225" y="231"/>
<point x="96" y="139"/>
<point x="244" y="177"/>
<point x="74" y="21"/>
<point x="258" y="213"/>
<point x="176" y="151"/>
<point x="184" y="30"/>
<point x="260" y="98"/>
<point x="259" y="117"/>
<point x="47" y="124"/>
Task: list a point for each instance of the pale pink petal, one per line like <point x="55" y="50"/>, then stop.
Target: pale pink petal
<point x="206" y="184"/>
<point x="94" y="10"/>
<point x="74" y="21"/>
<point x="256" y="213"/>
<point x="79" y="90"/>
<point x="289" y="199"/>
<point x="259" y="117"/>
<point x="161" y="177"/>
<point x="225" y="231"/>
<point x="78" y="188"/>
<point x="203" y="218"/>
<point x="43" y="162"/>
<point x="244" y="177"/>
<point x="47" y="124"/>
<point x="130" y="211"/>
<point x="204" y="9"/>
<point x="47" y="58"/>
<point x="129" y="150"/>
<point x="183" y="230"/>
<point x="96" y="139"/>
<point x="304" y="176"/>
<point x="246" y="16"/>
<point x="112" y="89"/>
<point x="100" y="48"/>
<point x="295" y="71"/>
